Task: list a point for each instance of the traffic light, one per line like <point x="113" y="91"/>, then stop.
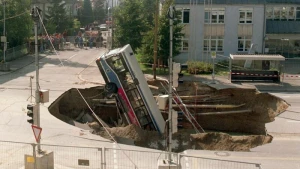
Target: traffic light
<point x="176" y="73"/>
<point x="31" y="112"/>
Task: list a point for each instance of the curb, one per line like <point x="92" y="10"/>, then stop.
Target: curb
<point x="41" y="57"/>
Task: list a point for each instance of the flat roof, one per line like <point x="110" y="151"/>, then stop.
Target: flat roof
<point x="256" y="57"/>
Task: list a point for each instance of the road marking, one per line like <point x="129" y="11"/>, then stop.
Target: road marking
<point x="293" y="121"/>
<point x="71" y="57"/>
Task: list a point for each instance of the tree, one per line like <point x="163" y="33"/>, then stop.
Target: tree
<point x="129" y="24"/>
<point x="99" y="11"/>
<point x="146" y="50"/>
<point x="18" y="23"/>
<point x="58" y="16"/>
<point x="164" y="32"/>
<point x="87" y="13"/>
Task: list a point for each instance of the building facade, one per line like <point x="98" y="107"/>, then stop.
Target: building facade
<point x="238" y="26"/>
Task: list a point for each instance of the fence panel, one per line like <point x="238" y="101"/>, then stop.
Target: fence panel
<point x="190" y="162"/>
<point x="66" y="157"/>
<point x="12" y="154"/>
<point x="131" y="159"/>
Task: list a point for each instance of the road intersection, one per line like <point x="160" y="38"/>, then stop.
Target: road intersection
<point x="77" y="69"/>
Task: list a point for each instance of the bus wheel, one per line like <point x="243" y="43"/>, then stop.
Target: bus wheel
<point x="111" y="88"/>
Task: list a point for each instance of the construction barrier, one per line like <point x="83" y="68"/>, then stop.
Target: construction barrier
<point x="245" y="75"/>
<point x="25" y="155"/>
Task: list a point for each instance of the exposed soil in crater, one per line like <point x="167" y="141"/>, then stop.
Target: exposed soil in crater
<point x="234" y="119"/>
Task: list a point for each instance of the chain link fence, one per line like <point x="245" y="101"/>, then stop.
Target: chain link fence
<point x="17" y="155"/>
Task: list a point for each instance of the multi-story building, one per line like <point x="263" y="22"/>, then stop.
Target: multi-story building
<point x="231" y="26"/>
<point x="71" y="6"/>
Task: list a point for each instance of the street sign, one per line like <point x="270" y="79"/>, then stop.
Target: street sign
<point x="37" y="132"/>
<point x="213" y="54"/>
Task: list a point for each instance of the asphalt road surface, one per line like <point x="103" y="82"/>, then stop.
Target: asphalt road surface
<point x="74" y="69"/>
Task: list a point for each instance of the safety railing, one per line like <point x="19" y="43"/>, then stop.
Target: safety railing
<point x="190" y="162"/>
<point x="25" y="155"/>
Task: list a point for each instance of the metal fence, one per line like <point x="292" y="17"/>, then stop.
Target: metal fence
<point x="191" y="162"/>
<point x="17" y="155"/>
<point x="15" y="52"/>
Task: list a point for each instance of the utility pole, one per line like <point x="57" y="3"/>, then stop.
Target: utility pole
<point x="155" y="40"/>
<point x="4" y="32"/>
<point x="112" y="25"/>
<point x="170" y="83"/>
<point x="35" y="18"/>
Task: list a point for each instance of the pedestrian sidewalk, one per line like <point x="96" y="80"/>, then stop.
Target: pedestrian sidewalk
<point x="22" y="62"/>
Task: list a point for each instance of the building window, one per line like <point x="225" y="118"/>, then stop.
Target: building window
<point x="213" y="43"/>
<point x="269" y="13"/>
<point x="185" y="16"/>
<point x="184" y="45"/>
<point x="214" y="15"/>
<point x="246" y="16"/>
<point x="298" y="13"/>
<point x="283" y="13"/>
<point x="244" y="43"/>
<point x="291" y="13"/>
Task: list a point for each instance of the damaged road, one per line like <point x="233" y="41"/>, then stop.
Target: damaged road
<point x="234" y="118"/>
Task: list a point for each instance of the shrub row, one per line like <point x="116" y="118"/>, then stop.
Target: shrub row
<point x="197" y="67"/>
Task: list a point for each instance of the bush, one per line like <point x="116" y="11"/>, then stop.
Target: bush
<point x="197" y="67"/>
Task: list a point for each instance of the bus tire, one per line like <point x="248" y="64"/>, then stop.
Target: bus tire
<point x="111" y="88"/>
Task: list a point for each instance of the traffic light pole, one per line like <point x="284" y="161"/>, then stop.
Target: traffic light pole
<point x="37" y="91"/>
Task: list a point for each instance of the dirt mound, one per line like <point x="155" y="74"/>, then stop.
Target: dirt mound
<point x="225" y="142"/>
<point x="183" y="140"/>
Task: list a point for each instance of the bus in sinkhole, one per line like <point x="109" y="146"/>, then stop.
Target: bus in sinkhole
<point x="126" y="82"/>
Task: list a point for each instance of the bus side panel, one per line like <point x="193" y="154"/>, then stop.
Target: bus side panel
<point x="108" y="74"/>
<point x="136" y="71"/>
<point x="132" y="117"/>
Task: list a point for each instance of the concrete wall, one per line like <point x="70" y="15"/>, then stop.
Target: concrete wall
<point x="258" y="28"/>
<point x="231" y="30"/>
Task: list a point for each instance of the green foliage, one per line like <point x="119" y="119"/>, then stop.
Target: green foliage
<point x="58" y="17"/>
<point x="164" y="33"/>
<point x="50" y="27"/>
<point x="99" y="12"/>
<point x="129" y="24"/>
<point x="197" y="67"/>
<point x="18" y="23"/>
<point x="76" y="24"/>
<point x="87" y="13"/>
<point x="146" y="50"/>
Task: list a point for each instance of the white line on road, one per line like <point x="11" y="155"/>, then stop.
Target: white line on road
<point x="71" y="57"/>
<point x="293" y="121"/>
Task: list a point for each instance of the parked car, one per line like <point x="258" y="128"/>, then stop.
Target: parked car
<point x="103" y="27"/>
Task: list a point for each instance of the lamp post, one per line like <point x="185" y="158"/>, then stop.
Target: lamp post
<point x="4" y="32"/>
<point x="155" y="40"/>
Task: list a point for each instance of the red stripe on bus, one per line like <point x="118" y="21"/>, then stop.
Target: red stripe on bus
<point x="130" y="113"/>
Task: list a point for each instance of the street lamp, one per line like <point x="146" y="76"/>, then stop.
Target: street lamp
<point x="4" y="32"/>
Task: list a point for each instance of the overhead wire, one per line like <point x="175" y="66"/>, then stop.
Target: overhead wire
<point x="7" y="18"/>
<point x="105" y="128"/>
<point x="61" y="63"/>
